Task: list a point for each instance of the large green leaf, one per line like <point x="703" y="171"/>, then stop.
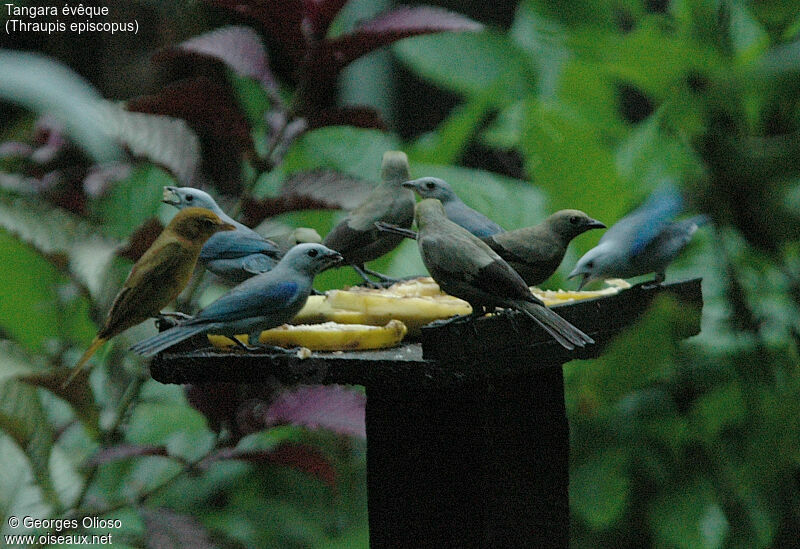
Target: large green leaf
<point x="600" y="489"/>
<point x="40" y="304"/>
<point x="471" y="63"/>
<point x="691" y="518"/>
<point x="568" y="158"/>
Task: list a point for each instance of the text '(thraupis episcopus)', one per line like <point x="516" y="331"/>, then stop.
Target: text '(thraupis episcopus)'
<point x="64" y="18"/>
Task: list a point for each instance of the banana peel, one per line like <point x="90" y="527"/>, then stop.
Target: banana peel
<point x="555" y="297"/>
<point x="363" y="318"/>
<point x="328" y="336"/>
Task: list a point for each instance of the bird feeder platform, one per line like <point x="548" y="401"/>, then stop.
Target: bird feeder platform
<point x="467" y="434"/>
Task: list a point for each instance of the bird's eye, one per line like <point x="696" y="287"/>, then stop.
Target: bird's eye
<point x="430" y="185"/>
<point x="574" y="219"/>
<point x="312" y="253"/>
<point x="189" y="198"/>
<point x="590" y="264"/>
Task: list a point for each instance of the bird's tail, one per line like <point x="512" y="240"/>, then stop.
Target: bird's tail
<point x="97" y="342"/>
<point x="562" y="331"/>
<point x="166" y="339"/>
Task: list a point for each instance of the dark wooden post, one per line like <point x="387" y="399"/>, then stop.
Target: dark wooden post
<point x="467" y="435"/>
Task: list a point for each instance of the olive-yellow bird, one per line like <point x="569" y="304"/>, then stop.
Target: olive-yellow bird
<point x="159" y="276"/>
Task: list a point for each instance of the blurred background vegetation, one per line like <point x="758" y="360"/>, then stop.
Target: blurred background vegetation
<point x="582" y="104"/>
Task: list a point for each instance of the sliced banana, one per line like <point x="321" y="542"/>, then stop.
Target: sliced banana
<point x="329" y="336"/>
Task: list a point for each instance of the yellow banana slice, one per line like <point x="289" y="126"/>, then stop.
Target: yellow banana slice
<point x="328" y="336"/>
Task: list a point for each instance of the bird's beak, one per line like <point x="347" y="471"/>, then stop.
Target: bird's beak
<point x="595" y="224"/>
<point x="226" y="227"/>
<point x="585" y="280"/>
<point x="170" y="196"/>
<point x="333" y="259"/>
<point x="410" y="184"/>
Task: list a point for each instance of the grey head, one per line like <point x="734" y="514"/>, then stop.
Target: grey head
<point x="432" y="187"/>
<point x="310" y="258"/>
<point x="185" y="197"/>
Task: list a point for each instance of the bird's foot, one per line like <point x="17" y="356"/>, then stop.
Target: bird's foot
<point x="261" y="347"/>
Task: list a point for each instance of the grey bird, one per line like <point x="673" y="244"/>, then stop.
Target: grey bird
<point x="644" y="241"/>
<point x="239" y="254"/>
<point x="457" y="212"/>
<point x="536" y="252"/>
<point x="259" y="303"/>
<point x="466" y="267"/>
<point x="357" y="238"/>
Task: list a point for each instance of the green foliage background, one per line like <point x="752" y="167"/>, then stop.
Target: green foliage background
<point x="690" y="444"/>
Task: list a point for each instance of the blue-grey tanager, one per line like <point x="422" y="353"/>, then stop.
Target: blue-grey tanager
<point x="457" y="212"/>
<point x="259" y="303"/>
<point x="236" y="256"/>
<point x="644" y="241"/>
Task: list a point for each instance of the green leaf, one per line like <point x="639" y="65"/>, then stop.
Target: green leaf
<point x="355" y="151"/>
<point x="131" y="202"/>
<point x="458" y="62"/>
<point x="19" y="494"/>
<point x="448" y="141"/>
<point x="24" y="420"/>
<point x="748" y="37"/>
<point x="568" y="159"/>
<point x="40" y="292"/>
<point x="690" y="517"/>
<point x="600" y="489"/>
<point x="650" y="57"/>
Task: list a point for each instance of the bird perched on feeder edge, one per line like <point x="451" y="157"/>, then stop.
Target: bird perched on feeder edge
<point x="158" y="276"/>
<point x="536" y="252"/>
<point x="357" y="238"/>
<point x="236" y="255"/>
<point x="466" y="267"/>
<point x="457" y="212"/>
<point x="259" y="303"/>
<point x="644" y="241"/>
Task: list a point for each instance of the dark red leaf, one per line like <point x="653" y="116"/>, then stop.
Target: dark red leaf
<point x="126" y="451"/>
<point x="298" y="456"/>
<point x="239" y="47"/>
<point x="360" y="117"/>
<point x="304" y="458"/>
<point x="213" y="113"/>
<point x="141" y="239"/>
<point x="332" y="407"/>
<point x="166" y="529"/>
<point x="313" y="190"/>
<point x="282" y="20"/>
<point x="403" y="22"/>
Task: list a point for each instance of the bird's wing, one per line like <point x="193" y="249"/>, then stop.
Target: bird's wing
<point x="672" y="239"/>
<point x="235" y="244"/>
<point x="636" y="230"/>
<point x="257" y="263"/>
<point x="343" y="238"/>
<point x="472" y="220"/>
<point x="453" y="255"/>
<point x="156" y="279"/>
<point x="249" y="299"/>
